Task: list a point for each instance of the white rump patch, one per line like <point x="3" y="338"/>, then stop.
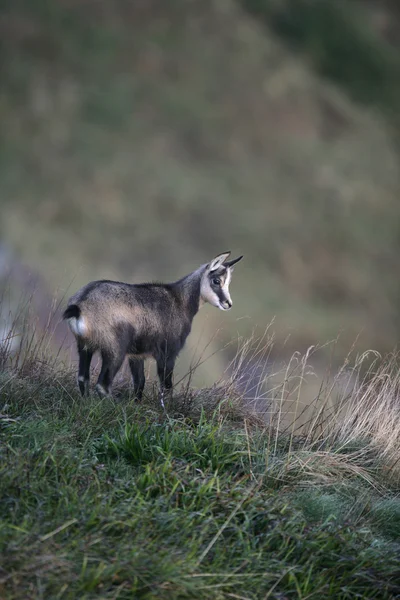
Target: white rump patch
<point x="78" y="326"/>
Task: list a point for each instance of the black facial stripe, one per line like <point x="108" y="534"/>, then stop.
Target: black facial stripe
<point x="220" y="274"/>
<point x="221" y="295"/>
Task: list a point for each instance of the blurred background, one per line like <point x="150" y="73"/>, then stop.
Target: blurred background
<point x="139" y="138"/>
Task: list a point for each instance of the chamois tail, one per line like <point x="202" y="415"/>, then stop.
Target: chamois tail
<point x="72" y="312"/>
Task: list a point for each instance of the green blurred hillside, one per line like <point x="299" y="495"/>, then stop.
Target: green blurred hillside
<point x="141" y="138"/>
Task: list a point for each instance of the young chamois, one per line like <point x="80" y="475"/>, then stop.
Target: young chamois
<point x="141" y="321"/>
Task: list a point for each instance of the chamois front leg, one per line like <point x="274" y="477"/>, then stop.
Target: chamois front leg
<point x="165" y="370"/>
<point x="137" y="369"/>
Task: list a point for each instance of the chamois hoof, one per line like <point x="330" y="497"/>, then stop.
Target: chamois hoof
<point x="102" y="392"/>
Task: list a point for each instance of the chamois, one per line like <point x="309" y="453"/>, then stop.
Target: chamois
<point x="142" y="321"/>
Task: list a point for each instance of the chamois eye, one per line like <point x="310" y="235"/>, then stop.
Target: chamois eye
<point x="216" y="281"/>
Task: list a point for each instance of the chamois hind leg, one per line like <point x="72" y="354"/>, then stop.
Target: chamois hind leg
<point x="110" y="366"/>
<point x="137" y="369"/>
<point x="85" y="358"/>
<point x="165" y="370"/>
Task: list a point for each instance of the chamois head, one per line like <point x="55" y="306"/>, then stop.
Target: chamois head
<point x="216" y="279"/>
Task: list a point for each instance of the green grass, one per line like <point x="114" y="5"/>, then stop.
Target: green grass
<point x="106" y="499"/>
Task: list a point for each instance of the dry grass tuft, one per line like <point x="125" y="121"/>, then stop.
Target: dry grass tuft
<point x="333" y="421"/>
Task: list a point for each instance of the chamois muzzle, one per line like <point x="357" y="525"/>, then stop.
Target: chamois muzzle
<point x="226" y="304"/>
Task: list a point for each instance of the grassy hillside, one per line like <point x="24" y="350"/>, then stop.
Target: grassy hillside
<point x="111" y="499"/>
<point x="139" y="139"/>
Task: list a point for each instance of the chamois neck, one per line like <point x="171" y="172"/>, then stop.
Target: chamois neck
<point x="188" y="289"/>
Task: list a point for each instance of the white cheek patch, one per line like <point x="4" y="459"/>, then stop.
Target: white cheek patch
<point x="78" y="326"/>
<point x="208" y="294"/>
<point x="212" y="298"/>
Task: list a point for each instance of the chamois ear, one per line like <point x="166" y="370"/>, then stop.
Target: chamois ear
<point x="218" y="261"/>
<point x="230" y="263"/>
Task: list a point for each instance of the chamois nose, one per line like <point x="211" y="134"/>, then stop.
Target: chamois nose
<point x="227" y="304"/>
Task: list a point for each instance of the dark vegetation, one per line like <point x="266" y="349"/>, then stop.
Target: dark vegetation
<point x="353" y="43"/>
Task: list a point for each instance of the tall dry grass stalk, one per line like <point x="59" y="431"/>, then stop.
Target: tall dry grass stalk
<point x="32" y="339"/>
